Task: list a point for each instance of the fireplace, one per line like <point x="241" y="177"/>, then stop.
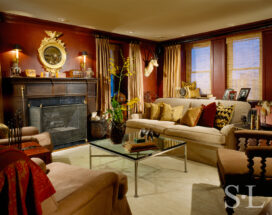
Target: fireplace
<point x="63" y="117"/>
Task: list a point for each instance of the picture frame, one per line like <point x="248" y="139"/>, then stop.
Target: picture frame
<point x="232" y="95"/>
<point x="226" y="93"/>
<point x="243" y="94"/>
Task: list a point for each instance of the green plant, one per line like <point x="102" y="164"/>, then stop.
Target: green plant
<point x="116" y="112"/>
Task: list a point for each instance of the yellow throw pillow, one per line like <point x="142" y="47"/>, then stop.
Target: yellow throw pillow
<point x="223" y="115"/>
<point x="192" y="93"/>
<point x="156" y="111"/>
<point x="147" y="111"/>
<point x="171" y="113"/>
<point x="191" y="117"/>
<point x="192" y="85"/>
<point x="3" y="131"/>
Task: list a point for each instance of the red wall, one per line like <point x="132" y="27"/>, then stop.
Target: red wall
<point x="267" y="65"/>
<point x="29" y="37"/>
<point x="28" y="33"/>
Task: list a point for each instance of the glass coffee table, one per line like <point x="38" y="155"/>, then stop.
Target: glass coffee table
<point x="163" y="144"/>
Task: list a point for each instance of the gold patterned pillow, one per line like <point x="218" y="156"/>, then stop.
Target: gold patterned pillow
<point x="192" y="116"/>
<point x="171" y="113"/>
<point x="192" y="93"/>
<point x="3" y="131"/>
<point x="147" y="111"/>
<point x="223" y="115"/>
<point x="156" y="111"/>
<point x="192" y="85"/>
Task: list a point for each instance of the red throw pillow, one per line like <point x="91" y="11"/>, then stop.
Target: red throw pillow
<point x="208" y="115"/>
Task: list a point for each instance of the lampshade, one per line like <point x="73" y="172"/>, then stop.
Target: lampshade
<point x="84" y="53"/>
<point x="17" y="47"/>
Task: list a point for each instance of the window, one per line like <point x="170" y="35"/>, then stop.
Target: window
<point x="244" y="59"/>
<point x="198" y="60"/>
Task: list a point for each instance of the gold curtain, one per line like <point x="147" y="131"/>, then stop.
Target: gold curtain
<point x="135" y="82"/>
<point x="171" y="71"/>
<point x="103" y="74"/>
<point x="245" y="69"/>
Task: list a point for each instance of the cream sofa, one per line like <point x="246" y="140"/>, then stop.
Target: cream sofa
<point x="202" y="142"/>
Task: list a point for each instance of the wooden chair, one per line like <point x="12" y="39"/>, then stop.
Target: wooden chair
<point x="250" y="164"/>
<point x="15" y="130"/>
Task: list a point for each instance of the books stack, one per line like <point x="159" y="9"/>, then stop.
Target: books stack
<point x="137" y="147"/>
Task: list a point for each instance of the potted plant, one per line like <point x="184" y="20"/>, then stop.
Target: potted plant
<point x="115" y="113"/>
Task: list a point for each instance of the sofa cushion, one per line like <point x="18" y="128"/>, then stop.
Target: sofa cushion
<point x="208" y="115"/>
<point x="155" y="111"/>
<point x="147" y="110"/>
<point x="223" y="115"/>
<point x="197" y="133"/>
<point x="192" y="93"/>
<point x="171" y="113"/>
<point x="3" y="131"/>
<point x="192" y="116"/>
<point x="156" y="125"/>
<point x="192" y="85"/>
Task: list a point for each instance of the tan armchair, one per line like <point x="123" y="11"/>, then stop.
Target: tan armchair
<point x="84" y="191"/>
<point x="31" y="133"/>
<point x="253" y="166"/>
<point x="69" y="190"/>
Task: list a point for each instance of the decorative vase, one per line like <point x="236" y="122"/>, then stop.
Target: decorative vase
<point x="117" y="132"/>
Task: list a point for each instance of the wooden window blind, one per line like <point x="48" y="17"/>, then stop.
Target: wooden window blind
<point x="244" y="63"/>
<point x="198" y="65"/>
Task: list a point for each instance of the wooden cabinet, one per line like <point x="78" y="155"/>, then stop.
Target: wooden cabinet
<point x="18" y="91"/>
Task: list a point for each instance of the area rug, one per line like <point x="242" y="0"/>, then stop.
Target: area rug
<point x="209" y="199"/>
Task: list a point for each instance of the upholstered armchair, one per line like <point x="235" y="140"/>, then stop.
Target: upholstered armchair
<point x="65" y="189"/>
<point x="30" y="134"/>
<point x="250" y="164"/>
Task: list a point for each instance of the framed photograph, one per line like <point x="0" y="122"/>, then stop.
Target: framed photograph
<point x="243" y="94"/>
<point x="232" y="95"/>
<point x="226" y="93"/>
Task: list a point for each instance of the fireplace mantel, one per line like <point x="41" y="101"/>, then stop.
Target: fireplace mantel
<point x="17" y="91"/>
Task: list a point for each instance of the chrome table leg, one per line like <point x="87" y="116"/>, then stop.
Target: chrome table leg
<point x="136" y="178"/>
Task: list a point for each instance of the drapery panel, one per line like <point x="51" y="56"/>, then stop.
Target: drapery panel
<point x="103" y="74"/>
<point x="135" y="82"/>
<point x="172" y="71"/>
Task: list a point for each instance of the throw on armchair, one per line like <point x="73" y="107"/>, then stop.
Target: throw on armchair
<point x="31" y="134"/>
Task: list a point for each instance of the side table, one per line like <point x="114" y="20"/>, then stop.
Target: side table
<point x="33" y="149"/>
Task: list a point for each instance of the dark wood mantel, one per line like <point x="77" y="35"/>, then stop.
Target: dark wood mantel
<point x="18" y="90"/>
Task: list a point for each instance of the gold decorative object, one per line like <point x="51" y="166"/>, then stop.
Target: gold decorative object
<point x="30" y="73"/>
<point x="52" y="52"/>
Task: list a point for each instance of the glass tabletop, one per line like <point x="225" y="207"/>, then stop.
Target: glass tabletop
<point x="163" y="144"/>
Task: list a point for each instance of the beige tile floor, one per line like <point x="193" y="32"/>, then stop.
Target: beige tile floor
<point x="164" y="187"/>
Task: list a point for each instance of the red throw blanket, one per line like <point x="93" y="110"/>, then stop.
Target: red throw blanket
<point x="23" y="184"/>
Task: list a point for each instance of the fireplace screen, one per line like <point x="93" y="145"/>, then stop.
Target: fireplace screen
<point x="65" y="123"/>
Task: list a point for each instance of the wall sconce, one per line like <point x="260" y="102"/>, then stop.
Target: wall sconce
<point x="84" y="54"/>
<point x="17" y="48"/>
<point x="15" y="69"/>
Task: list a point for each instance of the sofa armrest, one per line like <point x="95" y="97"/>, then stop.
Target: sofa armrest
<point x="228" y="132"/>
<point x="44" y="139"/>
<point x="40" y="163"/>
<point x="24" y="139"/>
<point x="136" y="116"/>
<point x="29" y="130"/>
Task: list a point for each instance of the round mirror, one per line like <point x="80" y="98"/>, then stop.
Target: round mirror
<point x="52" y="55"/>
<point x="52" y="52"/>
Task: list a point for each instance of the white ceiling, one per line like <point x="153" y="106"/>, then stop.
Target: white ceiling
<point x="148" y="19"/>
